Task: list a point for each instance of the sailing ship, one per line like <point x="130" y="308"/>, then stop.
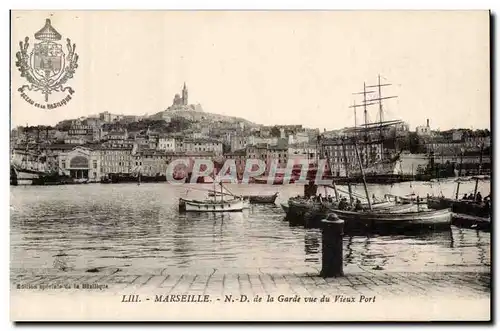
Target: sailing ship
<point x="33" y="166"/>
<point x="377" y="142"/>
<point x="368" y="217"/>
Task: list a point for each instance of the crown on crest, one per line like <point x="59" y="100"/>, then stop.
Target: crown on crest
<point x="48" y="32"/>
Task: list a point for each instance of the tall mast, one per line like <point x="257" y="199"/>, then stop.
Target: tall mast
<point x="379" y="86"/>
<point x="328" y="159"/>
<point x="346" y="164"/>
<point x="479" y="169"/>
<point x="364" y="104"/>
<point x="363" y="175"/>
<point x="365" y="111"/>
<point x="355" y="117"/>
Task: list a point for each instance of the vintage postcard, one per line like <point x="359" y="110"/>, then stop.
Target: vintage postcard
<point x="250" y="166"/>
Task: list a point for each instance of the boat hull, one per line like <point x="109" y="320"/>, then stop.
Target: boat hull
<point x="395" y="220"/>
<point x="465" y="207"/>
<point x="186" y="205"/>
<point x="262" y="199"/>
<point x="310" y="213"/>
<point x="23" y="177"/>
<point x="253" y="199"/>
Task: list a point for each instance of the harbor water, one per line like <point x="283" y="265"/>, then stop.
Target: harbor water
<point x="139" y="227"/>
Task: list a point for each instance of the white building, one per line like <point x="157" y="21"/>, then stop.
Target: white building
<point x="166" y="144"/>
<point x="298" y="138"/>
<point x="423" y="131"/>
<point x="238" y="142"/>
<point x="81" y="163"/>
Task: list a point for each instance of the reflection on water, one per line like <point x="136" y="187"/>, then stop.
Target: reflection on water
<point x="312" y="245"/>
<point x="130" y="226"/>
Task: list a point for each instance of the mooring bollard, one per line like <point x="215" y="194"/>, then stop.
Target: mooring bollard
<point x="332" y="252"/>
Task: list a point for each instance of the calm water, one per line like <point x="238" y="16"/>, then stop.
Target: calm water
<point x="130" y="226"/>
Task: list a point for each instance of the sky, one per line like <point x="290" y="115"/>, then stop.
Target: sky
<point x="287" y="67"/>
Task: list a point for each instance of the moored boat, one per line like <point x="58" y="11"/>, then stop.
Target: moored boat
<point x="261" y="199"/>
<point x="462" y="206"/>
<point x="364" y="220"/>
<point x="253" y="199"/>
<point x="301" y="211"/>
<point x="187" y="205"/>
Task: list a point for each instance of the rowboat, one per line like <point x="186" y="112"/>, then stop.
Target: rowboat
<point x="410" y="198"/>
<point x="187" y="205"/>
<point x="394" y="219"/>
<point x="253" y="199"/>
<point x="465" y="207"/>
<point x="461" y="206"/>
<point x="300" y="211"/>
<point x="261" y="199"/>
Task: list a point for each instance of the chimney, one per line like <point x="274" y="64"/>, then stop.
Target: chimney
<point x="428" y="123"/>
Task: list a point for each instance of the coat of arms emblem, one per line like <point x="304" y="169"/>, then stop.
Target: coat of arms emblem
<point x="47" y="68"/>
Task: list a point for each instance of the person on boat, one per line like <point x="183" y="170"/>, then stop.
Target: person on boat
<point x="319" y="198"/>
<point x="343" y="204"/>
<point x="330" y="199"/>
<point x="471" y="197"/>
<point x="465" y="197"/>
<point x="358" y="205"/>
<point x="487" y="204"/>
<point x="479" y="197"/>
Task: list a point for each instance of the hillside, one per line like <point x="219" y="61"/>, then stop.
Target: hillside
<point x="201" y="116"/>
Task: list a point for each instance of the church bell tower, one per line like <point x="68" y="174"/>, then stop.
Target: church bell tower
<point x="184" y="95"/>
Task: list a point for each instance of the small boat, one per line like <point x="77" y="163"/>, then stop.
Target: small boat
<point x="394" y="219"/>
<point x="187" y="205"/>
<point x="261" y="199"/>
<point x="461" y="206"/>
<point x="298" y="207"/>
<point x="253" y="199"/>
<point x="410" y="198"/>
<point x="233" y="203"/>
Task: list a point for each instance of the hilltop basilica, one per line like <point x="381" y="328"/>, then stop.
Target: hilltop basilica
<point x="180" y="102"/>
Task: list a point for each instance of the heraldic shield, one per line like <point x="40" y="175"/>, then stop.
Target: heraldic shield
<point x="47" y="67"/>
<point x="47" y="60"/>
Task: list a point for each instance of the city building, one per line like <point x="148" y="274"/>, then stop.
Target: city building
<point x="238" y="142"/>
<point x="116" y="158"/>
<point x="278" y="154"/>
<point x="117" y="135"/>
<point x="240" y="158"/>
<point x="258" y="151"/>
<point x="200" y="145"/>
<point x="299" y="138"/>
<point x="341" y="153"/>
<point x="424" y="130"/>
<point x="80" y="133"/>
<point x="150" y="162"/>
<point x="166" y="143"/>
<point x="81" y="163"/>
<point x="302" y="151"/>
